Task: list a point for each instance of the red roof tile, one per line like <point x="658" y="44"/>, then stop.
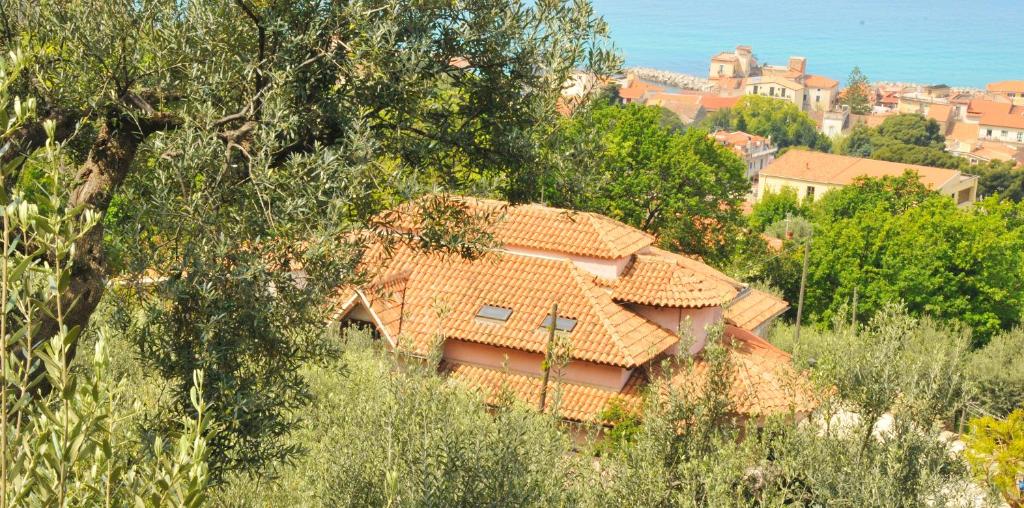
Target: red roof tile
<point x="422" y="297"/>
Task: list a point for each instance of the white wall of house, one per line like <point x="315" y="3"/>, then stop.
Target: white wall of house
<point x="998" y="133"/>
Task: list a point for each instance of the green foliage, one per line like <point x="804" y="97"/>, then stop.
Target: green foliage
<point x="237" y="145"/>
<point x="1000" y="177"/>
<point x="952" y="263"/>
<point x="72" y="444"/>
<point x="858" y="142"/>
<point x="774" y="207"/>
<point x="908" y="138"/>
<point x="623" y="162"/>
<point x="997" y="371"/>
<point x="825" y="461"/>
<point x="625" y="424"/>
<point x="995" y="450"/>
<point x="377" y="436"/>
<point x="766" y="116"/>
<point x="912" y="130"/>
<point x="856" y="93"/>
<point x="894" y="195"/>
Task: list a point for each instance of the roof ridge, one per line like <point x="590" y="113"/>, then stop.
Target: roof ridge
<point x="612" y="331"/>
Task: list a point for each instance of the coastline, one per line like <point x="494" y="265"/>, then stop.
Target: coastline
<point x="684" y="81"/>
<point x="675" y="79"/>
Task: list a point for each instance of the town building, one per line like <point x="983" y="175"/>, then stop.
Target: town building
<point x="712" y="103"/>
<point x="822" y="92"/>
<point x="944" y="115"/>
<point x="1006" y="125"/>
<point x="637" y="90"/>
<point x="812" y="174"/>
<point x="687" y="106"/>
<point x="624" y="308"/>
<point x="963" y="141"/>
<point x="778" y="87"/>
<point x="757" y="152"/>
<point x="738" y="64"/>
<point x="1012" y="90"/>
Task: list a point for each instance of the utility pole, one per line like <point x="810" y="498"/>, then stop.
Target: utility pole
<point x="803" y="286"/>
<point x="546" y="366"/>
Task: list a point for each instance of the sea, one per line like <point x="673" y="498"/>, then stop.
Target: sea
<point x="954" y="42"/>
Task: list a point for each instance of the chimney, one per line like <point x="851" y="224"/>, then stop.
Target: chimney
<point x="798" y="64"/>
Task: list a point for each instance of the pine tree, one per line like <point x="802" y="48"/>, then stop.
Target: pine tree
<point x="856" y="93"/>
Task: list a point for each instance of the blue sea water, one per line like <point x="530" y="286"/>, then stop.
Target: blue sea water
<point x="956" y="42"/>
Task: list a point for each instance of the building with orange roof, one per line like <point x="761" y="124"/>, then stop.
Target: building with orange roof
<point x="622" y="303"/>
<point x="1013" y="90"/>
<point x="1005" y="126"/>
<point x="637" y="90"/>
<point x="756" y="151"/>
<point x="712" y="103"/>
<point x="738" y="64"/>
<point x="778" y="87"/>
<point x="963" y="141"/>
<point x="943" y="114"/>
<point x="822" y="92"/>
<point x="687" y="106"/>
<point x="812" y="174"/>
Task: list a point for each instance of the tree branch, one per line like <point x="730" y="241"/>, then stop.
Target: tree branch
<point x="261" y="82"/>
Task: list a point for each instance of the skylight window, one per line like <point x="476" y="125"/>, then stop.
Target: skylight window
<point x="494" y="313"/>
<point x="562" y="324"/>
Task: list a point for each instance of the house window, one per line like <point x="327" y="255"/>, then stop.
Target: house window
<point x="493" y="314"/>
<point x="721" y="68"/>
<point x="988" y="133"/>
<point x="771" y="91"/>
<point x="1020" y="136"/>
<point x="817" y="98"/>
<point x="755" y="89"/>
<point x="562" y="324"/>
<point x="810" y="192"/>
<point x="1005" y="133"/>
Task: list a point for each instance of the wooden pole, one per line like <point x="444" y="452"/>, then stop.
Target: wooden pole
<point x="803" y="286"/>
<point x="546" y="366"/>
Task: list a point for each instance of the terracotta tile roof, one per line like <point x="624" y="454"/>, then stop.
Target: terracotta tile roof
<point x="731" y="83"/>
<point x="985" y="106"/>
<point x="725" y="57"/>
<point x="1014" y="86"/>
<point x="843" y="170"/>
<point x="875" y="120"/>
<point x="815" y="81"/>
<point x="736" y="138"/>
<point x="686" y="106"/>
<point x="890" y="99"/>
<point x="637" y="89"/>
<point x="964" y="132"/>
<point x="989" y="150"/>
<point x="1014" y="118"/>
<point x="577" y="402"/>
<point x="662" y="278"/>
<point x="775" y="244"/>
<point x="420" y="297"/>
<point x="715" y="102"/>
<point x="754" y="308"/>
<point x="940" y="112"/>
<point x="764" y="379"/>
<point x="542" y="227"/>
